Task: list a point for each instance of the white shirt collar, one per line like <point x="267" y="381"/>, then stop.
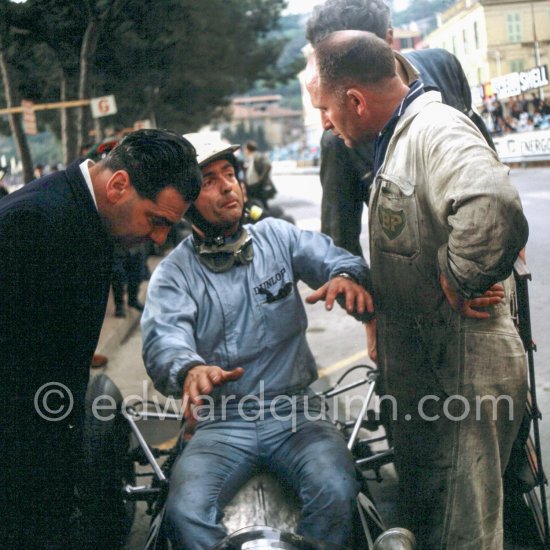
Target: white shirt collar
<point x="85" y="169"/>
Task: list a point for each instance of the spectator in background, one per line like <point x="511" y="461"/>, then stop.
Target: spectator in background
<point x="523" y="104"/>
<point x="128" y="272"/>
<point x="498" y="115"/>
<point x="259" y="184"/>
<point x="38" y="171"/>
<point x="3" y="191"/>
<point x="514" y="107"/>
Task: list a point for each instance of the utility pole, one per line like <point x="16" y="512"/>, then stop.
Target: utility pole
<point x="536" y="45"/>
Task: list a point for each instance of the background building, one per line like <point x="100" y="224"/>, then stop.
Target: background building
<point x="498" y="38"/>
<point x="263" y="119"/>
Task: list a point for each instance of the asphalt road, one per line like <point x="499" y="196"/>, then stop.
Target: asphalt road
<point x="338" y="341"/>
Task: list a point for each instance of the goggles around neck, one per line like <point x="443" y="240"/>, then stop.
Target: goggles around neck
<point x="221" y="258"/>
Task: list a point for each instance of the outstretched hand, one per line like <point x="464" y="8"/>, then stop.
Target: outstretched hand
<point x="200" y="380"/>
<point x="490" y="297"/>
<point x="356" y="298"/>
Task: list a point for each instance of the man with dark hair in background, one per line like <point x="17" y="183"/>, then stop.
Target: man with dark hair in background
<point x="56" y="244"/>
<point x="346" y="174"/>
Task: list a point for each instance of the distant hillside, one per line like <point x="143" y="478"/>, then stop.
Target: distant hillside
<point x="293" y="29"/>
<point x="419" y="10"/>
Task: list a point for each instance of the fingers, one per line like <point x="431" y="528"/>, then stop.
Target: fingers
<point x="369" y="303"/>
<point x="467" y="311"/>
<point x="485" y="301"/>
<point x="357" y="301"/>
<point x="200" y="381"/>
<point x="186" y="405"/>
<point x="491" y="297"/>
<point x="356" y="298"/>
<point x="232" y="374"/>
<point x="319" y="294"/>
<point x="497" y="288"/>
<point x="191" y="395"/>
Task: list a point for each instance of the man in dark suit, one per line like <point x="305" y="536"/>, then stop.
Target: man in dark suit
<point x="56" y="243"/>
<point x="346" y="174"/>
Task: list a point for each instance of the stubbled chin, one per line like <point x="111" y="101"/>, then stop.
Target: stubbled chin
<point x="128" y="242"/>
<point x="348" y="143"/>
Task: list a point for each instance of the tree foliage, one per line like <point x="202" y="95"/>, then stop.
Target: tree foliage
<point x="177" y="61"/>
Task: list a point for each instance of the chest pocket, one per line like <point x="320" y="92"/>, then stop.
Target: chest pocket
<point x="395" y="217"/>
<point x="282" y="313"/>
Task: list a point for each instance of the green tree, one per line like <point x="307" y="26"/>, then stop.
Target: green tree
<point x="12" y="99"/>
<point x="191" y="57"/>
<point x="174" y="61"/>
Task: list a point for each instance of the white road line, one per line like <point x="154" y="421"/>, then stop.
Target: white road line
<point x="342" y="364"/>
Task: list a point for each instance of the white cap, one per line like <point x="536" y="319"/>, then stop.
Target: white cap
<point x="209" y="147"/>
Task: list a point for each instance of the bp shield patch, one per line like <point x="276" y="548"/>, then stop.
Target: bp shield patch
<point x="392" y="221"/>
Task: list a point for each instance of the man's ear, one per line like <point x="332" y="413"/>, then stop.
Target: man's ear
<point x="389" y="37"/>
<point x="357" y="99"/>
<point x="118" y="186"/>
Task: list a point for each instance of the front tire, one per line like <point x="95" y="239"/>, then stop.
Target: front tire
<point x="107" y="516"/>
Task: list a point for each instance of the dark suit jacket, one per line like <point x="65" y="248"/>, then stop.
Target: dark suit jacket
<point x="346" y="174"/>
<point x="55" y="263"/>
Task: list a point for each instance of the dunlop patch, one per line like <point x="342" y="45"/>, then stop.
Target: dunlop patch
<point x="392" y="221"/>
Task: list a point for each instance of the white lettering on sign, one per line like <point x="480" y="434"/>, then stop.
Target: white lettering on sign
<point x="517" y="83"/>
<point x="523" y="147"/>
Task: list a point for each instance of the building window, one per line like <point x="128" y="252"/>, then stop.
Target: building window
<point x="407" y="42"/>
<point x="516" y="65"/>
<point x="465" y="41"/>
<point x="513" y="21"/>
<point x="454" y="45"/>
<point x="476" y="35"/>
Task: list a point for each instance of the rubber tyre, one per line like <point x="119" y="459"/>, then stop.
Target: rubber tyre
<point x="107" y="517"/>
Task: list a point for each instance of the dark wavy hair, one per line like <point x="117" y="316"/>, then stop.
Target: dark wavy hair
<point x="155" y="159"/>
<point x="342" y="15"/>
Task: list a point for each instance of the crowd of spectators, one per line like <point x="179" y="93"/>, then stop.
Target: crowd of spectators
<point x="516" y="114"/>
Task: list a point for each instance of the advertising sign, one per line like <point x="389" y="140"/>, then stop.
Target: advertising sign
<point x="518" y="83"/>
<point x="524" y="146"/>
<point x="103" y="106"/>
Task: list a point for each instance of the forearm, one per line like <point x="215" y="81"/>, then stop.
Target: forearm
<point x="477" y="205"/>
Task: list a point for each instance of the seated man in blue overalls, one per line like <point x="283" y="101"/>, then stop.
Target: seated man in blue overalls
<point x="224" y="327"/>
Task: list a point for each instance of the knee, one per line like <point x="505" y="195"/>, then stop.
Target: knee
<point x="329" y="513"/>
<point x="334" y="491"/>
<point x="340" y="491"/>
<point x="184" y="514"/>
<point x="176" y="516"/>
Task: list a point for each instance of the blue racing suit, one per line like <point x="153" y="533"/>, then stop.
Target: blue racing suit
<point x="252" y="317"/>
